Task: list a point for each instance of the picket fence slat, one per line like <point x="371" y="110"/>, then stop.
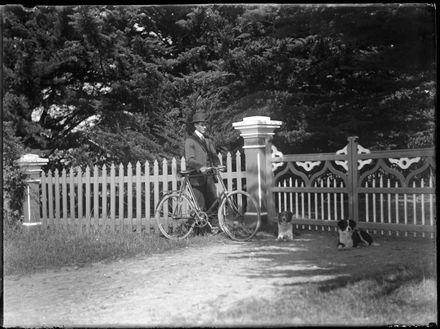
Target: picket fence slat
<point x="88" y="194"/>
<point x="95" y="221"/>
<point x="147" y="195"/>
<point x="322" y="201"/>
<point x="431" y="203"/>
<point x="45" y="220"/>
<point x="335" y="202"/>
<point x="138" y="198"/>
<point x="112" y="197"/>
<point x="316" y="202"/>
<point x="104" y="192"/>
<point x="50" y="192"/>
<point x="229" y="170"/>
<point x="130" y="194"/>
<point x="121" y="195"/>
<point x="57" y="193"/>
<point x="422" y="203"/>
<point x="80" y="197"/>
<point x="64" y="194"/>
<point x="389" y="201"/>
<point x="155" y="185"/>
<point x="238" y="171"/>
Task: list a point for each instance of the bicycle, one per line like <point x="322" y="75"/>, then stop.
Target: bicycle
<point x="178" y="212"/>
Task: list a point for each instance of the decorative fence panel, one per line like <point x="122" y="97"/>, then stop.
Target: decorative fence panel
<point x="111" y="197"/>
<point x="384" y="191"/>
<point x="396" y="191"/>
<point x="312" y="188"/>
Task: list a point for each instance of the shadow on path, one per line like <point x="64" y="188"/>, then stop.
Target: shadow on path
<point x="314" y="258"/>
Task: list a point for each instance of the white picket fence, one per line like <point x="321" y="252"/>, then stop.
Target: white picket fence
<point x="126" y="196"/>
<point x="117" y="196"/>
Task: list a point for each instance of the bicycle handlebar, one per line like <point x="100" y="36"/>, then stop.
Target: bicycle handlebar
<point x="209" y="171"/>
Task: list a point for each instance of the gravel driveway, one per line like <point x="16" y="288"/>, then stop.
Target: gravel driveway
<point x="191" y="286"/>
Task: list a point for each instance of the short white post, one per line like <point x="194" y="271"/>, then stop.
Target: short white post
<point x="31" y="165"/>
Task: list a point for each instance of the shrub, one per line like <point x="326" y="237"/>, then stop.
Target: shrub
<point x="13" y="179"/>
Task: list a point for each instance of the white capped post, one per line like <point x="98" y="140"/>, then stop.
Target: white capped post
<point x="257" y="132"/>
<point x="31" y="165"/>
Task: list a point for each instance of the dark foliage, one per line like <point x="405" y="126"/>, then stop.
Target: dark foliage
<point x="100" y="84"/>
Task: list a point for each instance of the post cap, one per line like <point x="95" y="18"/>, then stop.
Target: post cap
<point x="31" y="159"/>
<point x="258" y="120"/>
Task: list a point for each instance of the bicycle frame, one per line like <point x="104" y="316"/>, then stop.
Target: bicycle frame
<point x="187" y="189"/>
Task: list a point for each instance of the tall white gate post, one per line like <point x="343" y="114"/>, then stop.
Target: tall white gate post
<point x="31" y="165"/>
<point x="257" y="132"/>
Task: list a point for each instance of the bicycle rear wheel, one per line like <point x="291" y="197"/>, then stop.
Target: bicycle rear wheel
<point x="239" y="216"/>
<point x="173" y="216"/>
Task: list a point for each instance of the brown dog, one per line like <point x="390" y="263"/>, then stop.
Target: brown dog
<point x="285" y="226"/>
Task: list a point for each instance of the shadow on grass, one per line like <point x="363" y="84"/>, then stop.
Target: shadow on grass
<point x="313" y="258"/>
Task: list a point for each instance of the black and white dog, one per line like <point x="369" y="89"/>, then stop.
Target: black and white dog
<point x="351" y="237"/>
<point x="285" y="226"/>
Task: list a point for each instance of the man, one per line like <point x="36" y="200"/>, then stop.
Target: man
<point x="200" y="153"/>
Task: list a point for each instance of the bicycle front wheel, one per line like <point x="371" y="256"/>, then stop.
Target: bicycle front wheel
<point x="174" y="216"/>
<point x="239" y="216"/>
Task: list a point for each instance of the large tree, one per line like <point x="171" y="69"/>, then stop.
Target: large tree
<point x="101" y="84"/>
<point x="327" y="71"/>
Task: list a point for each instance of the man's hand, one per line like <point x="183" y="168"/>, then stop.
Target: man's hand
<point x="203" y="169"/>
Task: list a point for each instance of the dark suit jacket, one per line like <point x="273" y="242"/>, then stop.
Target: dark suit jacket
<point x="199" y="153"/>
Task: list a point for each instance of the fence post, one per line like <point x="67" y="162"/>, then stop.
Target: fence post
<point x="31" y="165"/>
<point x="257" y="132"/>
<point x="353" y="202"/>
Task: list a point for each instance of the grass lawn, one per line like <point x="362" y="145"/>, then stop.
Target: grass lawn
<point x="29" y="249"/>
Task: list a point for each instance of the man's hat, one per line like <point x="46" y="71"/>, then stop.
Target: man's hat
<point x="198" y="117"/>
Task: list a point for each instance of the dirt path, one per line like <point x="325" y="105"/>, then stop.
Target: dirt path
<point x="191" y="286"/>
